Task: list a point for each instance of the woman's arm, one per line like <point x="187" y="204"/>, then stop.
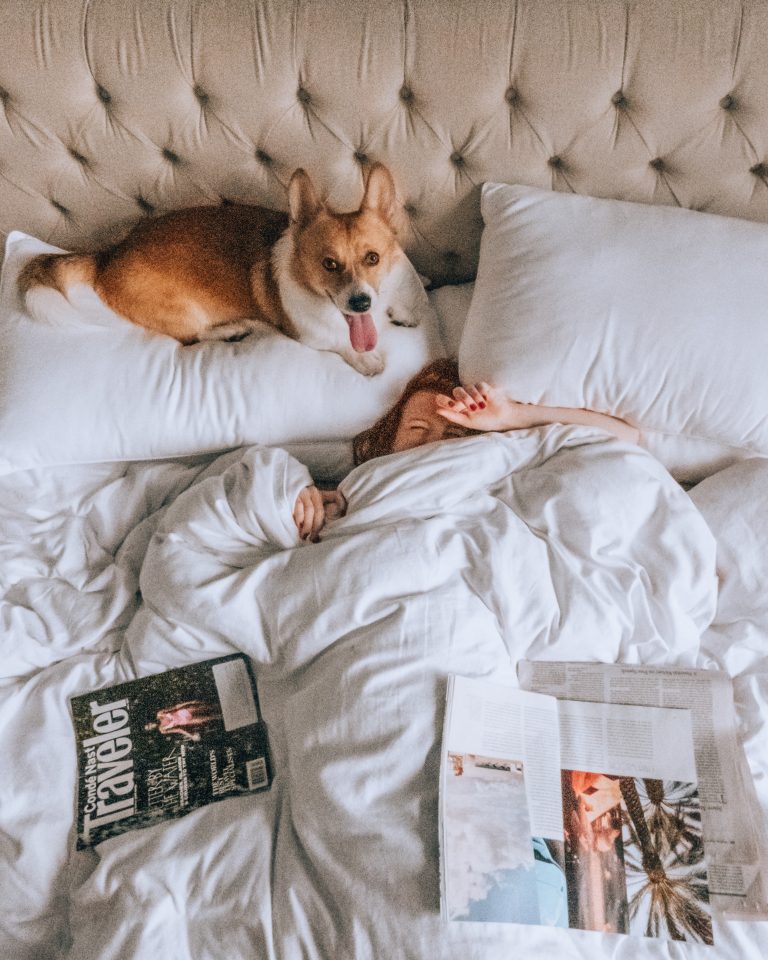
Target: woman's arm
<point x="483" y="407"/>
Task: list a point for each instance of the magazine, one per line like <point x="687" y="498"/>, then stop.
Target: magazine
<point x="732" y="818"/>
<point x="158" y="747"/>
<point x="571" y="814"/>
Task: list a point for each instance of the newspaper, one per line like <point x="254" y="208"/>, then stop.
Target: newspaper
<point x="158" y="747"/>
<point x="571" y="814"/>
<point x="733" y="821"/>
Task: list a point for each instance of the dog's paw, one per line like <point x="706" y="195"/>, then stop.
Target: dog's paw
<point x="403" y="318"/>
<point x="369" y="363"/>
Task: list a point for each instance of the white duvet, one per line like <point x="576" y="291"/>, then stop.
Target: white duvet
<point x="459" y="557"/>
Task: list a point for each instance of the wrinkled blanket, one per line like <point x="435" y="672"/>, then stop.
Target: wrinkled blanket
<point x="458" y="557"/>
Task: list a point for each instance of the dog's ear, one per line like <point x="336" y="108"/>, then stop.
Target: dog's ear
<point x="380" y="193"/>
<point x="303" y="201"/>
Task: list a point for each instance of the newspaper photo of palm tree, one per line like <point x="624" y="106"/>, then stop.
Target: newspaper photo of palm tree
<point x="634" y="857"/>
<point x="667" y="885"/>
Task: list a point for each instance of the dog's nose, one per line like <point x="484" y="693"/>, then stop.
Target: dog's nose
<point x="359" y="302"/>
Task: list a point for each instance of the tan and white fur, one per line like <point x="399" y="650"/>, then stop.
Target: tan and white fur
<point x="211" y="273"/>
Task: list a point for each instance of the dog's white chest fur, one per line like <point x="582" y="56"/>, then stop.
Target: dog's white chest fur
<point x="318" y="322"/>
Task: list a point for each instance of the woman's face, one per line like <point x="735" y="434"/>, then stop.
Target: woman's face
<point x="420" y="423"/>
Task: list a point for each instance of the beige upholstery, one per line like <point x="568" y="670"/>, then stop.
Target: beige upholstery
<point x="114" y="109"/>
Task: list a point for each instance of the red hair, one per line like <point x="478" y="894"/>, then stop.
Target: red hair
<point x="440" y="376"/>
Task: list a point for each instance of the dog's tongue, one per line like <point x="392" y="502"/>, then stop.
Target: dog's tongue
<point x="362" y="331"/>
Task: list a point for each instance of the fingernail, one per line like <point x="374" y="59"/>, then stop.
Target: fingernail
<point x="473" y="406"/>
<point x="482" y="405"/>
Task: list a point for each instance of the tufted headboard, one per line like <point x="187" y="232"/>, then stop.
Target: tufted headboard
<point x="111" y="110"/>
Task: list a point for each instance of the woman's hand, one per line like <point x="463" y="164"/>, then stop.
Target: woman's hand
<point x="483" y="407"/>
<point x="314" y="508"/>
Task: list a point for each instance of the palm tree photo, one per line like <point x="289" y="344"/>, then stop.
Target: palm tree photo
<point x="664" y="863"/>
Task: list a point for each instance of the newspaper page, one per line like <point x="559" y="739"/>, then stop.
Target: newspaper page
<point x="733" y="824"/>
<point x="548" y="815"/>
<point x="501" y="826"/>
<point x="634" y="855"/>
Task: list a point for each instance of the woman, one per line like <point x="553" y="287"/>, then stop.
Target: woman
<point x="187" y="719"/>
<point x="434" y="406"/>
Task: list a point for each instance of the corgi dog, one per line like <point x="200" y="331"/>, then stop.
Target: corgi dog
<point x="211" y="273"/>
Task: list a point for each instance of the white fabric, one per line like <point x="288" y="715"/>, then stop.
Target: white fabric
<point x="87" y="386"/>
<point x="734" y="503"/>
<point x="689" y="460"/>
<point x="452" y="302"/>
<point x="457" y="557"/>
<point x="649" y="313"/>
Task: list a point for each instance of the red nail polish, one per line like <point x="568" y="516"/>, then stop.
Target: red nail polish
<point x="482" y="405"/>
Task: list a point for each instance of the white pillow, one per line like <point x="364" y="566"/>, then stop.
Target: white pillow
<point x="90" y="386"/>
<point x="655" y="314"/>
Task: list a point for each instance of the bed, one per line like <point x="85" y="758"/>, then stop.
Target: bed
<point x="584" y="191"/>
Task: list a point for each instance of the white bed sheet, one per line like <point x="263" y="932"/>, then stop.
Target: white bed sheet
<point x="459" y="557"/>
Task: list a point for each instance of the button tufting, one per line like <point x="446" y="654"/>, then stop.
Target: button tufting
<point x="728" y="102"/>
<point x="361" y="157"/>
<point x="759" y="170"/>
<point x="452" y="261"/>
<point x="78" y="157"/>
<point x="60" y="207"/>
<point x="102" y="94"/>
<point x="145" y="205"/>
<point x="657" y="164"/>
<point x="619" y="100"/>
<point x="201" y="95"/>
<point x="410" y="209"/>
<point x="511" y="95"/>
<point x="4" y="96"/>
<point x="457" y="160"/>
<point x="556" y="162"/>
<point x="406" y="93"/>
<point x="170" y="156"/>
<point x="303" y="95"/>
<point x="263" y="157"/>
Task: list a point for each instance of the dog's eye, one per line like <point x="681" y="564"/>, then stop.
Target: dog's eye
<point x="371" y="258"/>
<point x="330" y="264"/>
